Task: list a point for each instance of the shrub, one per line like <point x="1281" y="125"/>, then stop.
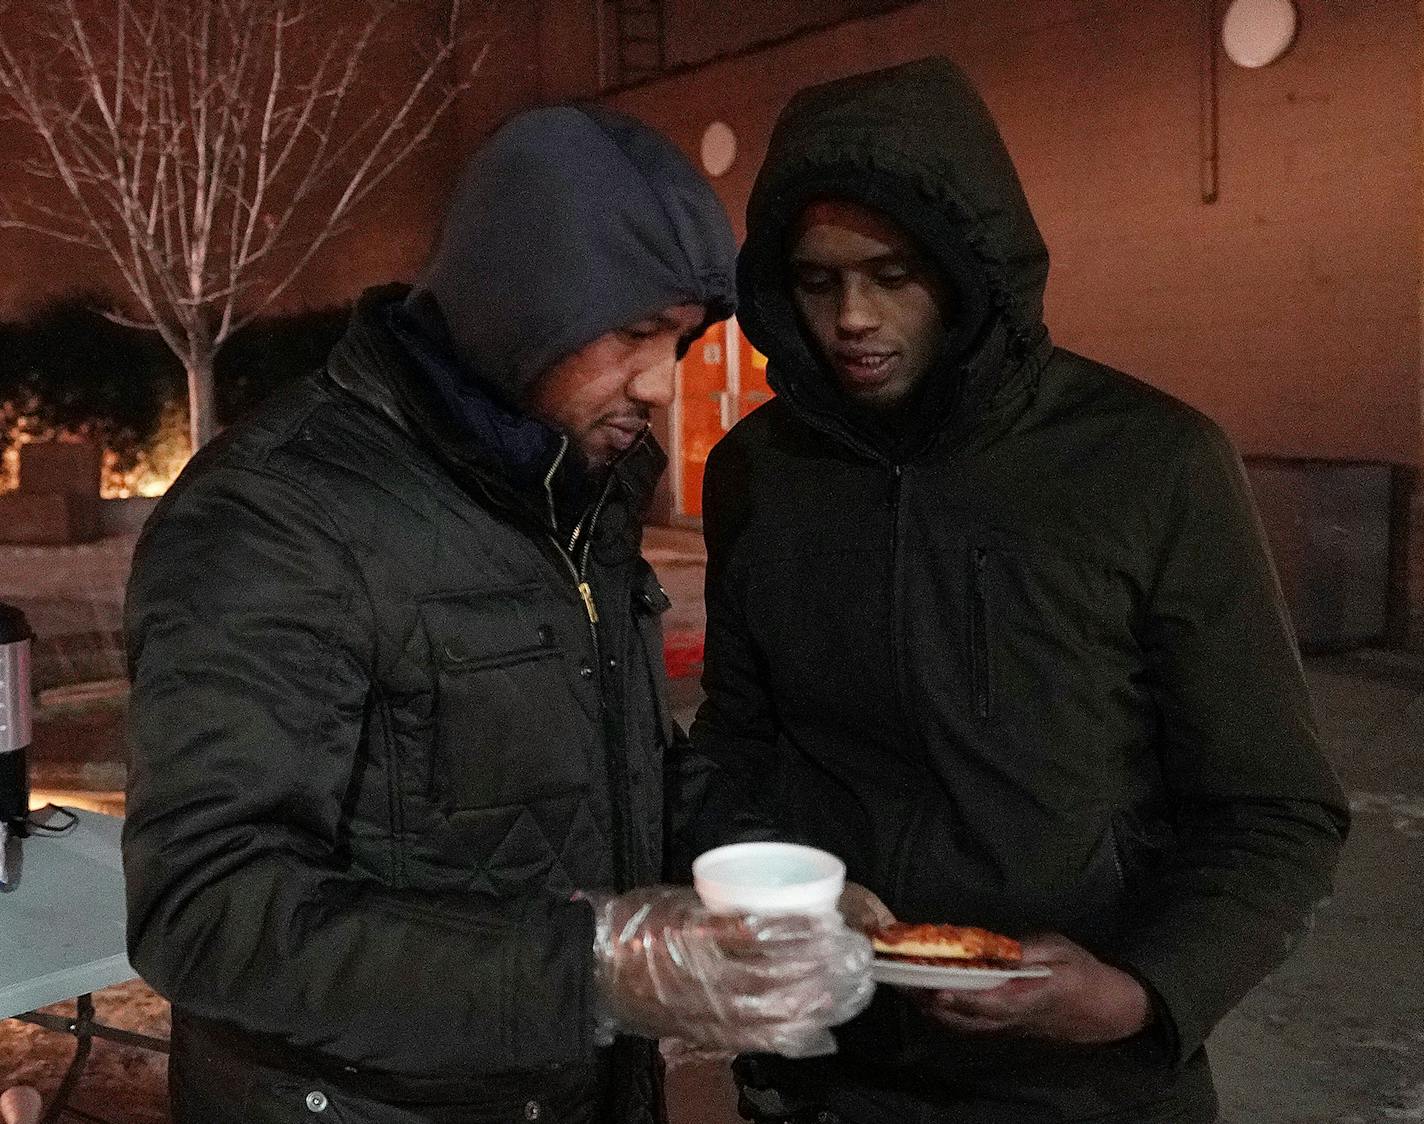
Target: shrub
<point x="270" y="352"/>
<point x="70" y="371"/>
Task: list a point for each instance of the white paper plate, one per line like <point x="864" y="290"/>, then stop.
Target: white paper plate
<point x="946" y="978"/>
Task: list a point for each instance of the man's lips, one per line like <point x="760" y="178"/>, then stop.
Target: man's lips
<point x="623" y="432"/>
<point x="866" y="368"/>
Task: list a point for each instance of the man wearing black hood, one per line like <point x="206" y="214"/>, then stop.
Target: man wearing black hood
<point x="995" y="624"/>
<point x="396" y="809"/>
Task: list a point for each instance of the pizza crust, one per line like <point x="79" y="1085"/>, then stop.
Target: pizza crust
<point x="936" y="944"/>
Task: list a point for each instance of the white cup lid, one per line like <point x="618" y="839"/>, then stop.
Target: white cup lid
<point x="768" y="878"/>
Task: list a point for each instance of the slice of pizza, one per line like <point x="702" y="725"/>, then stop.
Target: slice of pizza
<point x="946" y="946"/>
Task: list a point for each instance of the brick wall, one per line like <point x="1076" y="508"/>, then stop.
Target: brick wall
<point x="699" y="30"/>
<point x="1289" y="309"/>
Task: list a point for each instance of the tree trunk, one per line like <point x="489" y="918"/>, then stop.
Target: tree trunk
<point x="202" y="401"/>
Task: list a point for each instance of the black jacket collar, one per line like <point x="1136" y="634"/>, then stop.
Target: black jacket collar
<point x="373" y="365"/>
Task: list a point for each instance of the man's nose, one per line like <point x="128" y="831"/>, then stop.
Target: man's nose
<point x="653" y="385"/>
<point x="856" y="313"/>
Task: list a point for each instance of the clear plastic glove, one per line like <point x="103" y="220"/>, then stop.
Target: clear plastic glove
<point x="668" y="968"/>
<point x="862" y="910"/>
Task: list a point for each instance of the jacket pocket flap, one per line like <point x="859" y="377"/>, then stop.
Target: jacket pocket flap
<point x="485" y="627"/>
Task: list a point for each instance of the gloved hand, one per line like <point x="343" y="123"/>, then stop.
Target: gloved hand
<point x="862" y="910"/>
<point x="668" y="968"/>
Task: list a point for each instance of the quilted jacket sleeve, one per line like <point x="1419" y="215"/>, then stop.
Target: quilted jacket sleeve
<point x="251" y="644"/>
<point x="1259" y="816"/>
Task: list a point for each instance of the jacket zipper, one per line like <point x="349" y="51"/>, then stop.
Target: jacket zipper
<point x="578" y="570"/>
<point x="979" y="631"/>
<point x="895" y="876"/>
<point x="549" y="485"/>
<point x="897" y="637"/>
<point x="897" y="473"/>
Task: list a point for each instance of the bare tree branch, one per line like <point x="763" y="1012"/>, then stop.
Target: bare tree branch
<point x="49" y="230"/>
<point x="363" y="180"/>
<point x="116" y="317"/>
<point x="193" y="138"/>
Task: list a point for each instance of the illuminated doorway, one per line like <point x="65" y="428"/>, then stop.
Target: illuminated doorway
<point x="717" y="386"/>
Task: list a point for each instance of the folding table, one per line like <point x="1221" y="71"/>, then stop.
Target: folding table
<point x="62" y="937"/>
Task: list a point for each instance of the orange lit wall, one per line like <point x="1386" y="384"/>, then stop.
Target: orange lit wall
<point x="702" y="384"/>
<point x="718" y="384"/>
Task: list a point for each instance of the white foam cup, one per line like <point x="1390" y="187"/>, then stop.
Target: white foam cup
<point x="768" y="878"/>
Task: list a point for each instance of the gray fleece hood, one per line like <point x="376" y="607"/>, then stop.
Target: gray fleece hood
<point x="570" y="222"/>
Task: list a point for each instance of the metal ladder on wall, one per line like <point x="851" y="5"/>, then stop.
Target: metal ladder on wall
<point x="639" y="34"/>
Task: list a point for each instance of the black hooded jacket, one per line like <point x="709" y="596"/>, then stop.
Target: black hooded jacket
<point x="379" y="738"/>
<point x="1024" y="665"/>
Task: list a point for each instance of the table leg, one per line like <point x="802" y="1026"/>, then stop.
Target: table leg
<point x="85" y="1030"/>
<point x="84" y="1012"/>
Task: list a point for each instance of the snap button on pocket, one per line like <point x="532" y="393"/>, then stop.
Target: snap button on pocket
<point x="586" y="671"/>
<point x="531" y="1110"/>
<point x="316" y="1101"/>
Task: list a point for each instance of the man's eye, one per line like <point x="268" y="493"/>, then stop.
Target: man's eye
<point x="893" y="278"/>
<point x="814" y="283"/>
<point x="638" y="332"/>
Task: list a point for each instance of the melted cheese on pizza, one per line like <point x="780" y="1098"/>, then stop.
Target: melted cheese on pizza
<point x="938" y="943"/>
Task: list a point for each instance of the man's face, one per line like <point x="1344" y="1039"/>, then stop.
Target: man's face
<point x="601" y="394"/>
<point x="874" y="308"/>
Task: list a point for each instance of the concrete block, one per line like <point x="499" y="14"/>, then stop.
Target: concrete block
<point x="49" y="518"/>
<point x="71" y="467"/>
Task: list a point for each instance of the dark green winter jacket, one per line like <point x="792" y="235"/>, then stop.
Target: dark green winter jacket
<point x="381" y="736"/>
<point x="1024" y="665"/>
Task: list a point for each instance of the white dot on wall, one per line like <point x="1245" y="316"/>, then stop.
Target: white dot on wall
<point x="1258" y="32"/>
<point x="719" y="148"/>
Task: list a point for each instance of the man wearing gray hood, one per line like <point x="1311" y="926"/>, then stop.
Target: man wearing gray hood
<point x="395" y="823"/>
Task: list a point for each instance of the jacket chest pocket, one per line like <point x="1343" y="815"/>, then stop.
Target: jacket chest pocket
<point x="507" y="727"/>
<point x="1044" y="630"/>
<point x="979" y="642"/>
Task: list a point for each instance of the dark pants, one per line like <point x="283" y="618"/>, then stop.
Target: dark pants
<point x="879" y="1107"/>
<point x="200" y="1093"/>
<point x="213" y="1081"/>
<point x="845" y="1103"/>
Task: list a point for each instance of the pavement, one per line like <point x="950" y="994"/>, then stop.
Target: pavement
<point x="1336" y="1035"/>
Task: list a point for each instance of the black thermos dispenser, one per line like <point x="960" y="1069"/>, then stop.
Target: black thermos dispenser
<point x="15" y="637"/>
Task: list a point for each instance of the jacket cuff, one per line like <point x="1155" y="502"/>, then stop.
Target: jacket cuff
<point x="1173" y="1024"/>
<point x="1161" y="1029"/>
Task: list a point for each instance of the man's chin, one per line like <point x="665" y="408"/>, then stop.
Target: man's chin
<point x="596" y="460"/>
<point x="598" y="456"/>
<point x="878" y="400"/>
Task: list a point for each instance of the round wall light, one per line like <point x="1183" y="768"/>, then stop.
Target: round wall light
<point x="719" y="148"/>
<point x="1258" y="32"/>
